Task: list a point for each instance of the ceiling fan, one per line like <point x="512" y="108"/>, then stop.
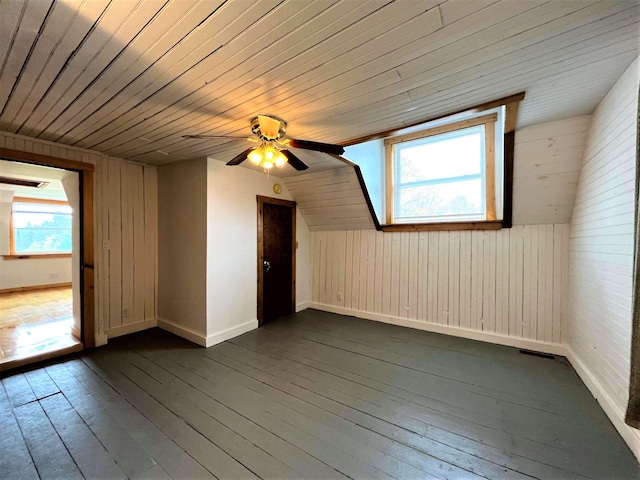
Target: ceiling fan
<point x="273" y="150"/>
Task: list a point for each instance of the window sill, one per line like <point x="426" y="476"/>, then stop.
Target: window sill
<point x="32" y="256"/>
<point x="422" y="227"/>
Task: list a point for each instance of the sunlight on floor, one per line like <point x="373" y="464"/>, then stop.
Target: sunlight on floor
<point x="35" y="322"/>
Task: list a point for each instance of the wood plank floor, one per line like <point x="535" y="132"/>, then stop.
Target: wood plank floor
<point x="35" y="322"/>
<point x="314" y="395"/>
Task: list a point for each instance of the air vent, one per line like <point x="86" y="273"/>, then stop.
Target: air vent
<point x="23" y="183"/>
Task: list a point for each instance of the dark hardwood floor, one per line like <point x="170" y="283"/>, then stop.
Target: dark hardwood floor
<point x="314" y="395"/>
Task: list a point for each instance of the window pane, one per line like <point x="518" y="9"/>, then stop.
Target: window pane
<point x="442" y="156"/>
<point x="445" y="199"/>
<point x="38" y="240"/>
<point x="42" y="228"/>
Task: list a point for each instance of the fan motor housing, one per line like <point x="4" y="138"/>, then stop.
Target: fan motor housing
<point x="268" y="127"/>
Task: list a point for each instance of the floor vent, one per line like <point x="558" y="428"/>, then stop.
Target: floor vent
<point x="537" y="354"/>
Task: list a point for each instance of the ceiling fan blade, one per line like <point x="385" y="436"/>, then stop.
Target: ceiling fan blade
<point x="294" y="161"/>
<point x="216" y="136"/>
<point x="240" y="158"/>
<point x="317" y="146"/>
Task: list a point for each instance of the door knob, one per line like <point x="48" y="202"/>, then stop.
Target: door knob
<point x="267" y="265"/>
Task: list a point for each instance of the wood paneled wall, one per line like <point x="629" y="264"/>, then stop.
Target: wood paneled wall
<point x="509" y="282"/>
<point x="331" y="200"/>
<point x="125" y="216"/>
<point x="601" y="251"/>
<point x="547" y="162"/>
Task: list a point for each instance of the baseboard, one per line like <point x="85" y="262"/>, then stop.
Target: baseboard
<point x="101" y="339"/>
<point x="231" y="333"/>
<point x="35" y="287"/>
<point x="630" y="435"/>
<point x="536" y="345"/>
<point x="302" y="306"/>
<point x="183" y="332"/>
<point x="134" y="327"/>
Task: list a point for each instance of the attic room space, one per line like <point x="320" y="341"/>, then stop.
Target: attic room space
<point x="327" y="239"/>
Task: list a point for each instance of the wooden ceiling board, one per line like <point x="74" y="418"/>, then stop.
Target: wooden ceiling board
<point x="61" y="49"/>
<point x="154" y="130"/>
<point x="32" y="18"/>
<point x="235" y="106"/>
<point x="129" y="78"/>
<point x="109" y="35"/>
<point x="158" y="76"/>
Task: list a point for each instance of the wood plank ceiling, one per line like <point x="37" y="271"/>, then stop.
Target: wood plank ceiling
<point x="128" y="78"/>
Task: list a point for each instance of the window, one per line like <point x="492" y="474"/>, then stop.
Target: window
<point x="444" y="174"/>
<point x="40" y="227"/>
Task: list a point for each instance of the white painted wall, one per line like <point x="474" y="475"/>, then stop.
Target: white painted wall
<point x="598" y="330"/>
<point x="370" y="158"/>
<point x="504" y="286"/>
<point x="232" y="249"/>
<point x="34" y="272"/>
<point x="182" y="248"/>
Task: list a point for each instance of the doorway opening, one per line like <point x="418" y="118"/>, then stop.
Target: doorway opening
<point x="46" y="238"/>
<point x="276" y="258"/>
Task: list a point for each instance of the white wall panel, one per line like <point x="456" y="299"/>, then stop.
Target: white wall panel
<point x="125" y="213"/>
<point x="598" y="329"/>
<point x="547" y="160"/>
<point x="509" y="282"/>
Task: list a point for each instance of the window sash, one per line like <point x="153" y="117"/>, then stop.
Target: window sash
<point x="487" y="172"/>
<point x="24" y="207"/>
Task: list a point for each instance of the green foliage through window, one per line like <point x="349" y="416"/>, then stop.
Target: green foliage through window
<point x="41" y="228"/>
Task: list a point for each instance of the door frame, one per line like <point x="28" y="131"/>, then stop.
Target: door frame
<point x="87" y="276"/>
<point x="287" y="203"/>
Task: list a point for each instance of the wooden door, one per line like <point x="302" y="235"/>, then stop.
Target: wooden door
<point x="276" y="258"/>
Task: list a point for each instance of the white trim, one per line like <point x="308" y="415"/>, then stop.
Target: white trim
<point x="302" y="306"/>
<point x="231" y="332"/>
<point x="134" y="327"/>
<point x="183" y="332"/>
<point x="536" y="345"/>
<point x="630" y="435"/>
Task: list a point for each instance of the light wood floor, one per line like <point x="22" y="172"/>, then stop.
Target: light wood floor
<point x="35" y="322"/>
<point x="314" y="395"/>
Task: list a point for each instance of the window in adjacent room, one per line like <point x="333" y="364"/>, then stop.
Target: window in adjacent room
<point x="40" y="227"/>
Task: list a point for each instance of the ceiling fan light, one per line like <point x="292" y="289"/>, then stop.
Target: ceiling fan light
<point x="266" y="164"/>
<point x="270" y="153"/>
<point x="280" y="159"/>
<point x="255" y="156"/>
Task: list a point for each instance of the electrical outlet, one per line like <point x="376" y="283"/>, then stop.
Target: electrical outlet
<point x="54" y="276"/>
<point x="125" y="313"/>
<point x="106" y="245"/>
<point x="339" y="296"/>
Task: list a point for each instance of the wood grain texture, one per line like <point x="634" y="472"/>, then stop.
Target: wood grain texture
<point x="129" y="79"/>
<point x="451" y="278"/>
<point x="601" y="251"/>
<point x="313" y="395"/>
<point x="124" y="256"/>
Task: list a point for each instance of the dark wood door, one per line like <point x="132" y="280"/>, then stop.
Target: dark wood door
<point x="276" y="269"/>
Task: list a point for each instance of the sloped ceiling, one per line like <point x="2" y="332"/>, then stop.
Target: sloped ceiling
<point x="128" y="78"/>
